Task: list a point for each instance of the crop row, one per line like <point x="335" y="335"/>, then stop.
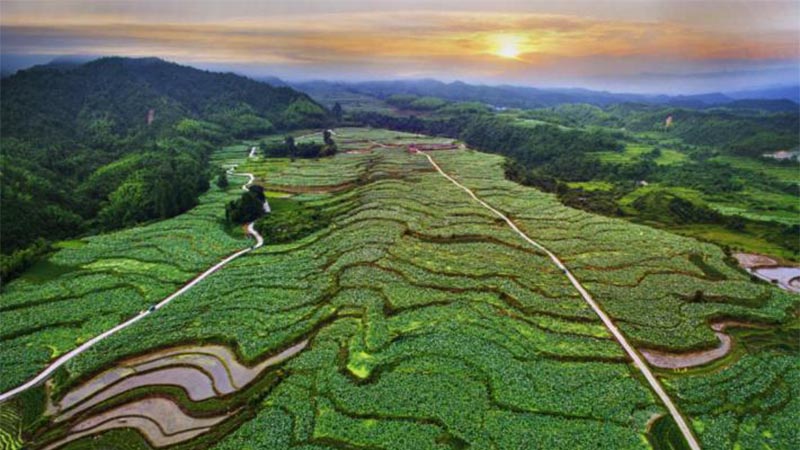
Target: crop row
<point x="105" y="280"/>
<point x="431" y="325"/>
<point x="661" y="287"/>
<point x="424" y="332"/>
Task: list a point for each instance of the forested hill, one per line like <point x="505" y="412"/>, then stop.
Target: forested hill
<point x="54" y="102"/>
<point x="117" y="141"/>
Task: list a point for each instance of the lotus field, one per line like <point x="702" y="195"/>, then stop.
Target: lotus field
<point x="429" y="323"/>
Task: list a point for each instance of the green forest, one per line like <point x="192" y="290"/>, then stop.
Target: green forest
<point x="120" y="141"/>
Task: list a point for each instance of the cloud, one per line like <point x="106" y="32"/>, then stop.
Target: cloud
<point x="433" y="43"/>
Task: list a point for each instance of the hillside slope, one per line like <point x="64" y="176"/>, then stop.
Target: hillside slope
<point x="382" y="329"/>
<point x="66" y="101"/>
<point x="118" y="141"/>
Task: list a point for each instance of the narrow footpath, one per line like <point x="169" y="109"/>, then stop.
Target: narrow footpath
<point x="63" y="359"/>
<point x="638" y="361"/>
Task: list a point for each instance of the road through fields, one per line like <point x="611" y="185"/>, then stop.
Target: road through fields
<point x="638" y="361"/>
<point x="48" y="371"/>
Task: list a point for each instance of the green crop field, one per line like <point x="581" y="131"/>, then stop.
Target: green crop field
<point x="784" y="172"/>
<point x="91" y="285"/>
<point x="633" y="151"/>
<point x="430" y="323"/>
<point x="592" y="185"/>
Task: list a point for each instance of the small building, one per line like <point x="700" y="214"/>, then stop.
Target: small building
<point x="782" y="155"/>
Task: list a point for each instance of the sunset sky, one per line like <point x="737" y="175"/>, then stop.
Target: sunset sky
<point x="637" y="46"/>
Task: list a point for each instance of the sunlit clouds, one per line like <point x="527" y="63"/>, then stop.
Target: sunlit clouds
<point x="507" y="46"/>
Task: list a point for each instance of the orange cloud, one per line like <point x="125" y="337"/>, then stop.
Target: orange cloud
<point x="374" y="37"/>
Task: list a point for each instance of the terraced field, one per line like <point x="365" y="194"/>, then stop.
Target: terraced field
<point x="92" y="284"/>
<point x="427" y="322"/>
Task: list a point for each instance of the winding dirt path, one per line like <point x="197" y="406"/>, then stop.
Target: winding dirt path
<point x="668" y="360"/>
<point x="63" y="359"/>
<point x="640" y="364"/>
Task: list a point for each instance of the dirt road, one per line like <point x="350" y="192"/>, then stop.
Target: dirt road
<point x="638" y="361"/>
<point x="63" y="359"/>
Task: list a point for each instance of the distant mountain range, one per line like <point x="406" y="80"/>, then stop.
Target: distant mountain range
<point x="774" y="93"/>
<point x="784" y="98"/>
<point x="771" y="98"/>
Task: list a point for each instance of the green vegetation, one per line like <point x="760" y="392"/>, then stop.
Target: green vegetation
<point x="416" y="103"/>
<point x="222" y="179"/>
<point x="424" y="320"/>
<point x="246" y="208"/>
<point x="737" y="132"/>
<point x="116" y="142"/>
<point x="291" y="220"/>
<point x="634" y="151"/>
<point x="10" y="427"/>
<point x="750" y="404"/>
<point x="290" y="149"/>
<point x="431" y="323"/>
<point x="82" y="290"/>
<point x="665" y="435"/>
<point x="601" y="159"/>
<point x="19" y="261"/>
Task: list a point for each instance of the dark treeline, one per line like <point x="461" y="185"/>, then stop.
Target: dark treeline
<point x="548" y="149"/>
<point x="118" y="141"/>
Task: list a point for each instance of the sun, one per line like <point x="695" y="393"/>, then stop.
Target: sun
<point x="507" y="46"/>
<point x="508" y="50"/>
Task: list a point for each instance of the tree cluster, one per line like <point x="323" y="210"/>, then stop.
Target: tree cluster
<point x="247" y="208"/>
<point x="289" y="149"/>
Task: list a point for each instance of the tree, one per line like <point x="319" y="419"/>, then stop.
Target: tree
<point x="248" y="207"/>
<point x="329" y="149"/>
<point x="337" y="112"/>
<point x="258" y="191"/>
<point x="222" y="179"/>
<point x="289" y="141"/>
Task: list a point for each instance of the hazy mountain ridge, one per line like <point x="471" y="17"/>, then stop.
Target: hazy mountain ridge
<point x="530" y="97"/>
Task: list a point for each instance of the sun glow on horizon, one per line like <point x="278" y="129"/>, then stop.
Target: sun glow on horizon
<point x="527" y="46"/>
<point x="507" y="46"/>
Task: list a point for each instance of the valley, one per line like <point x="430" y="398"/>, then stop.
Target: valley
<point x="437" y="304"/>
<point x="399" y="225"/>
